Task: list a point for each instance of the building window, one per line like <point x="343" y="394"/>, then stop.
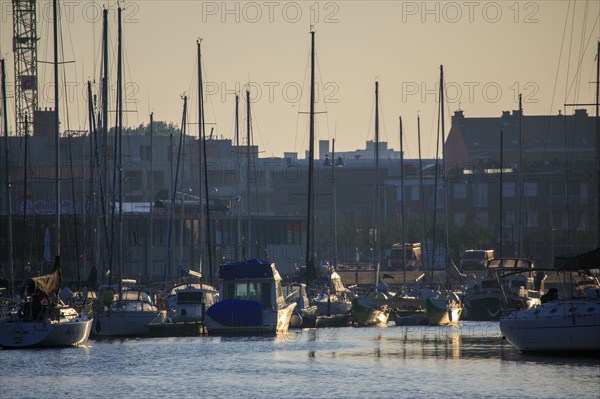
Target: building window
<point x="530" y="189"/>
<point x="556" y="188"/>
<point x="531" y="219"/>
<point x="480" y="194"/>
<point x="134" y="179"/>
<point x="145" y="154"/>
<point x="459" y="190"/>
<point x="399" y="194"/>
<point x="482" y="218"/>
<point x="459" y="218"/>
<point x="508" y="189"/>
<point x="508" y="219"/>
<point x="440" y="197"/>
<point x="159" y="232"/>
<point x="414" y="193"/>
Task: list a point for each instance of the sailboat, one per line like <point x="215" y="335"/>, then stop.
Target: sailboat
<point x="508" y="285"/>
<point x="570" y="324"/>
<point x="408" y="309"/>
<point x="42" y="319"/>
<point x="564" y="325"/>
<point x="187" y="302"/>
<point x="128" y="311"/>
<point x="445" y="308"/>
<point x="251" y="300"/>
<point x="329" y="308"/>
<point x="365" y="310"/>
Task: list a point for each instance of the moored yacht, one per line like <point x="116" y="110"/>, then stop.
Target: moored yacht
<point x="42" y="320"/>
<point x="510" y="284"/>
<point x="443" y="311"/>
<point x="336" y="298"/>
<point x="305" y="314"/>
<point x="367" y="312"/>
<point x="563" y="325"/>
<point x="251" y="301"/>
<point x="187" y="304"/>
<point x="126" y="314"/>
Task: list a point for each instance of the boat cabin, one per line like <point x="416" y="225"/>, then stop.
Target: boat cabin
<point x="186" y="301"/>
<point x="254" y="280"/>
<point x="296" y="292"/>
<point x="250" y="300"/>
<point x="518" y="273"/>
<point x="475" y="259"/>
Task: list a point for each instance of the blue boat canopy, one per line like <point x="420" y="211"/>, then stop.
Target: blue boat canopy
<point x="237" y="313"/>
<point x="249" y="269"/>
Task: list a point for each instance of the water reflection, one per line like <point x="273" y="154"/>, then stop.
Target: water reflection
<point x="410" y="342"/>
<point x="342" y="362"/>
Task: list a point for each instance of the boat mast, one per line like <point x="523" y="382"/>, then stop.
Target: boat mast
<point x="25" y="174"/>
<point x="248" y="197"/>
<point x="201" y="128"/>
<point x="88" y="241"/>
<point x="119" y="132"/>
<point x="93" y="249"/>
<point x="57" y="134"/>
<point x="598" y="142"/>
<point x="422" y="197"/>
<point x="101" y="218"/>
<point x="403" y="228"/>
<point x="334" y="207"/>
<point x="376" y="232"/>
<point x="74" y="213"/>
<point x="104" y="140"/>
<point x="501" y="189"/>
<point x="435" y="196"/>
<point x="519" y="250"/>
<point x="207" y="210"/>
<point x="113" y="188"/>
<point x="310" y="267"/>
<point x="183" y="193"/>
<point x="7" y="182"/>
<point x="151" y="240"/>
<point x="174" y="194"/>
<point x="238" y="247"/>
<point x="444" y="175"/>
<point x="205" y="168"/>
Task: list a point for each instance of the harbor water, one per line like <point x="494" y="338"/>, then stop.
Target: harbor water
<point x="469" y="361"/>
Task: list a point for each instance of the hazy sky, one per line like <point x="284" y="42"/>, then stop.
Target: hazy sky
<point x="490" y="50"/>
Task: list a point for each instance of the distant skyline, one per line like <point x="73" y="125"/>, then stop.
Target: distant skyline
<point x="491" y="52"/>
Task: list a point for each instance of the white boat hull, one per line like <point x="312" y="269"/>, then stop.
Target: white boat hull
<point x="15" y="333"/>
<point x="558" y="326"/>
<point x="335" y="306"/>
<point x="125" y="323"/>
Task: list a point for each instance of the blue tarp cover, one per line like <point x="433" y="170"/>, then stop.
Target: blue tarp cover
<point x="252" y="268"/>
<point x="236" y="313"/>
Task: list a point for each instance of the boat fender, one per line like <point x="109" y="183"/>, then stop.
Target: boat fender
<point x="98" y="326"/>
<point x="296" y="320"/>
